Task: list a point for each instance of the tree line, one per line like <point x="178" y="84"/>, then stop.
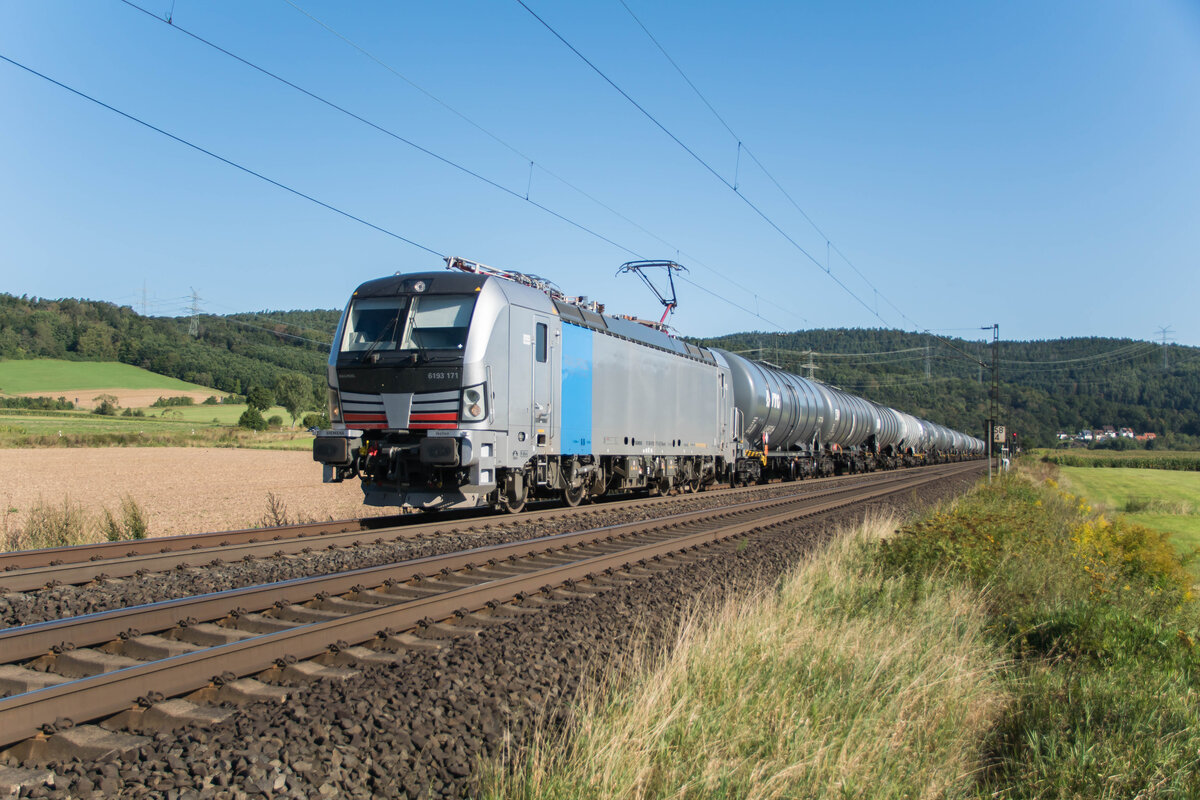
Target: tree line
<point x="1045" y="386"/>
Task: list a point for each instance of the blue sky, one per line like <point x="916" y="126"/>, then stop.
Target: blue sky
<point x="1027" y="163"/>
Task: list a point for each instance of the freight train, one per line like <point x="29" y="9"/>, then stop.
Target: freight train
<point x="477" y="387"/>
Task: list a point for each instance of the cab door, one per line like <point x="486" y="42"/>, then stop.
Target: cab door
<point x="543" y="382"/>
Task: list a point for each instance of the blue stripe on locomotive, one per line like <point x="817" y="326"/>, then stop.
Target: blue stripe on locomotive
<point x="576" y="389"/>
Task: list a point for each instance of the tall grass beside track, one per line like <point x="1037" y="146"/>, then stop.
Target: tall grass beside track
<point x="1014" y="643"/>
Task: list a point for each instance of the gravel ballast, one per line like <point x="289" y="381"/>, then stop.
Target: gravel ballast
<point x="419" y="728"/>
<point x="57" y="602"/>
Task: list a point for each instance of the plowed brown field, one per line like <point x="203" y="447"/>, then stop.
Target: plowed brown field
<point x="182" y="489"/>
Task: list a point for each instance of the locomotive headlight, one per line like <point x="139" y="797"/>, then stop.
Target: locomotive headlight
<point x="474" y="403"/>
<point x="335" y="405"/>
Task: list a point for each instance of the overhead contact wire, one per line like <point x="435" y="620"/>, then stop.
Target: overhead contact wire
<point x="222" y="159"/>
<point x="524" y="157"/>
<point x="420" y="148"/>
<point x="386" y="132"/>
<point x="742" y="146"/>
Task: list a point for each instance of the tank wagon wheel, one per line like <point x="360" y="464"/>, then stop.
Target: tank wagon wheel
<point x="573" y="495"/>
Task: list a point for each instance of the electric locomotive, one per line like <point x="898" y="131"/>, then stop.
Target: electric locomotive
<point x="478" y="387"/>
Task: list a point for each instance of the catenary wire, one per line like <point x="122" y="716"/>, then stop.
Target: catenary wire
<point x="386" y="131"/>
<point x="533" y="162"/>
<point x="732" y="187"/>
<point x="222" y="159"/>
<point x="418" y="147"/>
<point x="743" y="147"/>
<point x="698" y="159"/>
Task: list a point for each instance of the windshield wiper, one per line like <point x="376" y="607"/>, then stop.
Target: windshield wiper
<point x="391" y="327"/>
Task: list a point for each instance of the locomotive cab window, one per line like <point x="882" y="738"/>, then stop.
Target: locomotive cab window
<point x="438" y="322"/>
<point x="375" y="323"/>
<point x="426" y="322"/>
<point x="540" y="343"/>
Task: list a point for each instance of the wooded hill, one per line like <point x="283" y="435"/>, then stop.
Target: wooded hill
<point x="231" y="353"/>
<point x="1045" y="386"/>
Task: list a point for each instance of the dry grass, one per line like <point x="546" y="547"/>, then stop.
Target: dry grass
<point x="840" y="683"/>
<point x="69" y="523"/>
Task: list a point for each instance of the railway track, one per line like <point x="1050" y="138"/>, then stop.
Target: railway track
<point x="35" y="569"/>
<point x="125" y="662"/>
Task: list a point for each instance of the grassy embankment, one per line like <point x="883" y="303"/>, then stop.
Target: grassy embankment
<point x="1016" y="643"/>
<point x="196" y="425"/>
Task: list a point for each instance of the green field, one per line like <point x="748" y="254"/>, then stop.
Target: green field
<point x="1164" y="500"/>
<point x="195" y="425"/>
<point x="46" y="375"/>
<point x="177" y="426"/>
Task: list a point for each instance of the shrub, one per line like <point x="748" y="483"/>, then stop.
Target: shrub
<point x="275" y="421"/>
<point x="133" y="412"/>
<point x="51" y="526"/>
<point x="106" y="404"/>
<point x="276" y="514"/>
<point x="40" y="403"/>
<point x="252" y="419"/>
<point x="178" y="400"/>
<point x="315" y="420"/>
<point x="131" y="525"/>
<point x="211" y="400"/>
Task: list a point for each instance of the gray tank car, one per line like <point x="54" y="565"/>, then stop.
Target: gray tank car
<point x="481" y="387"/>
<point x="795" y="427"/>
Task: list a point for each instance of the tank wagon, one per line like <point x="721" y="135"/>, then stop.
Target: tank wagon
<point x="479" y="387"/>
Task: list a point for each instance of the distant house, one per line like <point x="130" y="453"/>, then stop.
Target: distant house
<point x="1084" y="436"/>
<point x="1109" y="432"/>
<point x="1063" y="436"/>
<point x="1126" y="433"/>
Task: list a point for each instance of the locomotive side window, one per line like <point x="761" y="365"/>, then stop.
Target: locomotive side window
<point x="438" y="322"/>
<point x="540" y="343"/>
<point x="375" y="323"/>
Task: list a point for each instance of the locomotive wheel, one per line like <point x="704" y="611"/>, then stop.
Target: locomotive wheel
<point x="510" y="505"/>
<point x="573" y="496"/>
<point x="694" y="486"/>
<point x="513" y="494"/>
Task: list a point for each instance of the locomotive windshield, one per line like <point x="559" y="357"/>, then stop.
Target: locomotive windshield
<point x="423" y="322"/>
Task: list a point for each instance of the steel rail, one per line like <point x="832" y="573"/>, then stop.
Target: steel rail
<point x="23" y="715"/>
<point x="29" y="641"/>
<point x="130" y="558"/>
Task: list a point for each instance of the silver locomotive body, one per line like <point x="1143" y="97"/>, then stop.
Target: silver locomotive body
<point x="464" y="390"/>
